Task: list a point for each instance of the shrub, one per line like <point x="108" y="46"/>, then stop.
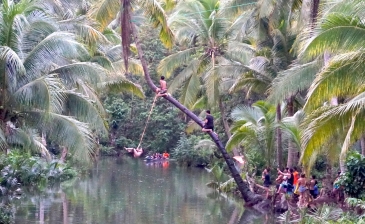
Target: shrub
<point x="186" y="153"/>
<point x="353" y="180"/>
<point x="18" y="168"/>
<point x="6" y="214"/>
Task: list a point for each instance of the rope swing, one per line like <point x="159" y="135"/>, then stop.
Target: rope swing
<point x="148" y="118"/>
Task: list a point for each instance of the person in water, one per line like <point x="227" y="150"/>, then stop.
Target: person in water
<point x="165" y="155"/>
<point x="208" y="123"/>
<point x="162" y="91"/>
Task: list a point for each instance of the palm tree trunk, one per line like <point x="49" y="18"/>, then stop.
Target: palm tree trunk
<point x="279" y="147"/>
<point x="223" y="115"/>
<point x="247" y="195"/>
<point x="362" y="144"/>
<point x="292" y="152"/>
<point x="41" y="212"/>
<point x="314" y="12"/>
<point x="64" y="208"/>
<point x="225" y="124"/>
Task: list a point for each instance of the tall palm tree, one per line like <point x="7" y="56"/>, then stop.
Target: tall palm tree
<point x="254" y="128"/>
<point x="270" y="39"/>
<point x="340" y="77"/>
<point x="203" y="31"/>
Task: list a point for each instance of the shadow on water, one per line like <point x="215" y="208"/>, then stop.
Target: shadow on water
<point x="125" y="190"/>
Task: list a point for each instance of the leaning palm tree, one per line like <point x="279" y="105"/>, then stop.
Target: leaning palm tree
<point x="129" y="28"/>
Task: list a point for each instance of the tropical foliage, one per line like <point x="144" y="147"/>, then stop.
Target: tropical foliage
<point x="353" y="179"/>
<point x="20" y="169"/>
<point x="50" y="78"/>
<point x="278" y="75"/>
<point x="185" y="152"/>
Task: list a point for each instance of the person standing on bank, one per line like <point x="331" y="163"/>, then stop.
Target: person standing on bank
<point x="208" y="123"/>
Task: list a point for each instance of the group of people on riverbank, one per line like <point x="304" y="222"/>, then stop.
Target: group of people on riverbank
<point x="290" y="181"/>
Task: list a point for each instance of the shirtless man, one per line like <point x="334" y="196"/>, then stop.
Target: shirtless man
<point x="162" y="91"/>
<point x="313" y="188"/>
<point x="302" y="181"/>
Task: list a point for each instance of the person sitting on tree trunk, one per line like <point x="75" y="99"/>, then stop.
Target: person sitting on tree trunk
<point x="209" y="123"/>
<point x="162" y="91"/>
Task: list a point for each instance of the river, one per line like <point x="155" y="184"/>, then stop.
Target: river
<point x="126" y="190"/>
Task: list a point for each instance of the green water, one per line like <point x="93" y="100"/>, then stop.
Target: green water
<point x="127" y="190"/>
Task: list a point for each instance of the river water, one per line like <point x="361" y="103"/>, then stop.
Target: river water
<point x="126" y="190"/>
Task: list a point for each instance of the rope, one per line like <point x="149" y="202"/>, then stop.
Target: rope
<point x="148" y="118"/>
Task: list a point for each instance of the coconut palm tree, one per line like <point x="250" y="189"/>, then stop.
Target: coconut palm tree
<point x="46" y="83"/>
<point x="340" y="77"/>
<point x="254" y="128"/>
<point x="203" y="30"/>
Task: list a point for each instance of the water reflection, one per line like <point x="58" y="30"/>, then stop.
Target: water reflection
<point x="132" y="191"/>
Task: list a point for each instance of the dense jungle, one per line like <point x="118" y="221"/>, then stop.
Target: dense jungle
<point x="282" y="79"/>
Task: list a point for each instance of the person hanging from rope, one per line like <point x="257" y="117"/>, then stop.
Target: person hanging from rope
<point x="162" y="91"/>
<point x="209" y="123"/>
<point x="137" y="152"/>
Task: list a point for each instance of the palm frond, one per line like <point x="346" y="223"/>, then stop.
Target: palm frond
<point x="171" y="62"/>
<point x="156" y="14"/>
<point x="337" y="33"/>
<point x="91" y="93"/>
<point x="184" y="75"/>
<point x="43" y="93"/>
<point x="246" y="113"/>
<point x="190" y="90"/>
<point x="89" y="34"/>
<point x="332" y="80"/>
<point x="103" y="61"/>
<point x="66" y="131"/>
<point x="293" y="80"/>
<point x="84" y="110"/>
<point x="201" y="103"/>
<point x="240" y="52"/>
<point x="212" y="81"/>
<point x="35" y="33"/>
<point x="236" y="7"/>
<point x="239" y="137"/>
<point x="53" y="49"/>
<point x="134" y="67"/>
<point x="329" y="121"/>
<point x="123" y="85"/>
<point x="106" y="11"/>
<point x="19" y="138"/>
<point x="90" y="72"/>
<point x="14" y="67"/>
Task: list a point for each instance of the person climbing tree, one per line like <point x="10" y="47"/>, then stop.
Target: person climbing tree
<point x="162" y="91"/>
<point x="208" y="123"/>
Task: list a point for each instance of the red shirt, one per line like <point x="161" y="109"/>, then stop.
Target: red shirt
<point x="296" y="177"/>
